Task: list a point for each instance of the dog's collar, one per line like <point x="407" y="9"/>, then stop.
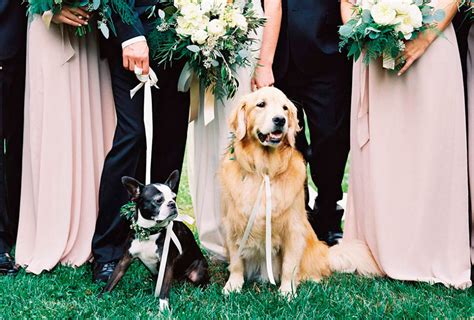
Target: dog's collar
<point x="129" y="212"/>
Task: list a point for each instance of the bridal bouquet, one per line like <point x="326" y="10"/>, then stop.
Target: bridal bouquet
<point x="381" y="27"/>
<point x="102" y="8"/>
<point x="213" y="36"/>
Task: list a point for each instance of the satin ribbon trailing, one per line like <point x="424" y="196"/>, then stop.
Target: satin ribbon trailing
<point x="200" y="96"/>
<point x="363" y="129"/>
<point x="268" y="225"/>
<point x="68" y="50"/>
<point x="147" y="82"/>
<point x="170" y="235"/>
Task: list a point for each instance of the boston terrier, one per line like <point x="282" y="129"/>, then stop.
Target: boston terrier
<point x="155" y="207"/>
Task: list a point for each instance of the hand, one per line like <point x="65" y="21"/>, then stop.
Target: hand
<point x="263" y="77"/>
<point x="414" y="49"/>
<point x="136" y="55"/>
<point x="75" y="17"/>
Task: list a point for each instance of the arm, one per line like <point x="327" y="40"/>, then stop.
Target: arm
<point x="417" y="47"/>
<point x="263" y="76"/>
<point x="132" y="37"/>
<point x="346" y="10"/>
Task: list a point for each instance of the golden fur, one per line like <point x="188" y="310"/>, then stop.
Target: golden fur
<point x="297" y="253"/>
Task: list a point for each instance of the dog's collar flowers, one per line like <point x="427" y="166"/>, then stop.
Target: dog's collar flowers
<point x="129" y="212"/>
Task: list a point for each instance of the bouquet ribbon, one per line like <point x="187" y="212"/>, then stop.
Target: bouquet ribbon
<point x="363" y="128"/>
<point x="268" y="225"/>
<point x="147" y="82"/>
<point x="200" y="96"/>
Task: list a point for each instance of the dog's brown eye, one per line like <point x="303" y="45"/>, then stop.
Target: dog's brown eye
<point x="261" y="104"/>
<point x="285" y="108"/>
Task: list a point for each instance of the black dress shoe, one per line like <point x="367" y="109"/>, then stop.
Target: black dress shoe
<point x="103" y="271"/>
<point x="7" y="265"/>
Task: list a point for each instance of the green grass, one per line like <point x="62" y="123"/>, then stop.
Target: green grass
<point x="69" y="293"/>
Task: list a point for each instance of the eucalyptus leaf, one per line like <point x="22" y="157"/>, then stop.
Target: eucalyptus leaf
<point x="193" y="48"/>
<point x="161" y="14"/>
<point x="95" y="4"/>
<point x="366" y="16"/>
<point x="104" y="29"/>
<point x="439" y="15"/>
<point x="345" y="30"/>
<point x="215" y="63"/>
<point x="243" y="53"/>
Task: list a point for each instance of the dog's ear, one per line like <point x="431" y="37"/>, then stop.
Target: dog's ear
<point x="293" y="125"/>
<point x="133" y="186"/>
<point x="172" y="180"/>
<point x="237" y="122"/>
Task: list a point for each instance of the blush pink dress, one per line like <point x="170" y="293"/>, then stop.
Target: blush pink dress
<point x="69" y="123"/>
<point x="470" y="106"/>
<point x="408" y="194"/>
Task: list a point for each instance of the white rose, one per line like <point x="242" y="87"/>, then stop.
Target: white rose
<point x="216" y="27"/>
<point x="383" y="13"/>
<point x="181" y="3"/>
<point x="365" y="4"/>
<point x="213" y="6"/>
<point x="240" y="22"/>
<point x="406" y="29"/>
<point x="415" y="16"/>
<point x="199" y="37"/>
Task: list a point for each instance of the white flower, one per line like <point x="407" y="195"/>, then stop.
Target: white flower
<point x="240" y="21"/>
<point x="383" y="13"/>
<point x="216" y="27"/>
<point x="191" y="19"/>
<point x="409" y="18"/>
<point x="181" y="3"/>
<point x="213" y="6"/>
<point x="199" y="37"/>
<point x="366" y="4"/>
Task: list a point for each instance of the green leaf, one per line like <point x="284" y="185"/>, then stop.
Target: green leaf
<point x="193" y="48"/>
<point x="439" y="15"/>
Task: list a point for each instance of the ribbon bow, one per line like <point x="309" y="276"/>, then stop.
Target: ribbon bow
<point x="268" y="225"/>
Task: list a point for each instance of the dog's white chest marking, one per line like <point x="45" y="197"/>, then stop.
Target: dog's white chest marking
<point x="146" y="252"/>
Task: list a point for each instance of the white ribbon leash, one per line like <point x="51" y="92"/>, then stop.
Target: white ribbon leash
<point x="147" y="82"/>
<point x="268" y="225"/>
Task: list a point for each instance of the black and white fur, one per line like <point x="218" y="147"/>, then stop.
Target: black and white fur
<point x="156" y="202"/>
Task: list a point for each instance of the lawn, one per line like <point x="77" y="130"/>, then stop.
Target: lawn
<point x="69" y="293"/>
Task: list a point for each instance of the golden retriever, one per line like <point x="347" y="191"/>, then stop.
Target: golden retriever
<point x="264" y="128"/>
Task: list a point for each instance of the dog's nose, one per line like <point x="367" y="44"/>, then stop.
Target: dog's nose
<point x="279" y="121"/>
<point x="172" y="205"/>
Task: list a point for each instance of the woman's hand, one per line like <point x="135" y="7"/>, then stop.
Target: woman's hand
<point x="414" y="49"/>
<point x="263" y="77"/>
<point x="75" y="17"/>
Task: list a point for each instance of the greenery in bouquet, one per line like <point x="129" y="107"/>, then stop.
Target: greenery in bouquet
<point x="102" y="8"/>
<point x="215" y="37"/>
<point x="467" y="8"/>
<point x="379" y="28"/>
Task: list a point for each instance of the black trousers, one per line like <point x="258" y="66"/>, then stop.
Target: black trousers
<point x="127" y="156"/>
<point x="12" y="91"/>
<point x="325" y="97"/>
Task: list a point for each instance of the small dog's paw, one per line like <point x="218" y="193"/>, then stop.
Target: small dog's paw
<point x="234" y="284"/>
<point x="164" y="305"/>
<point x="288" y="291"/>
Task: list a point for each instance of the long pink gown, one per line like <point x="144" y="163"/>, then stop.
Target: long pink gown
<point x="470" y="107"/>
<point x="408" y="197"/>
<point x="69" y="122"/>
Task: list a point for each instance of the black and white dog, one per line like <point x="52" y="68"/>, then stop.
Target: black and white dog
<point x="156" y="203"/>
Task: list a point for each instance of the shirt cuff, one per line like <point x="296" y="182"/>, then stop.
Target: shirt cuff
<point x="132" y="41"/>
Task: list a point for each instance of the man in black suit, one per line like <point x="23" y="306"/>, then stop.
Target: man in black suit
<point x="309" y="68"/>
<point x="12" y="90"/>
<point x="125" y="52"/>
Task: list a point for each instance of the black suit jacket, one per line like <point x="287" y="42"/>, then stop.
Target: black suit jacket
<point x="141" y="27"/>
<point x="12" y="28"/>
<point x="308" y="35"/>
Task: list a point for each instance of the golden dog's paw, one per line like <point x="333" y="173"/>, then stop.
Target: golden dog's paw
<point x="234" y="284"/>
<point x="288" y="291"/>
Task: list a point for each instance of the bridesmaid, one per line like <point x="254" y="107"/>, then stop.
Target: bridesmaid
<point x="208" y="143"/>
<point x="408" y="195"/>
<point x="69" y="123"/>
